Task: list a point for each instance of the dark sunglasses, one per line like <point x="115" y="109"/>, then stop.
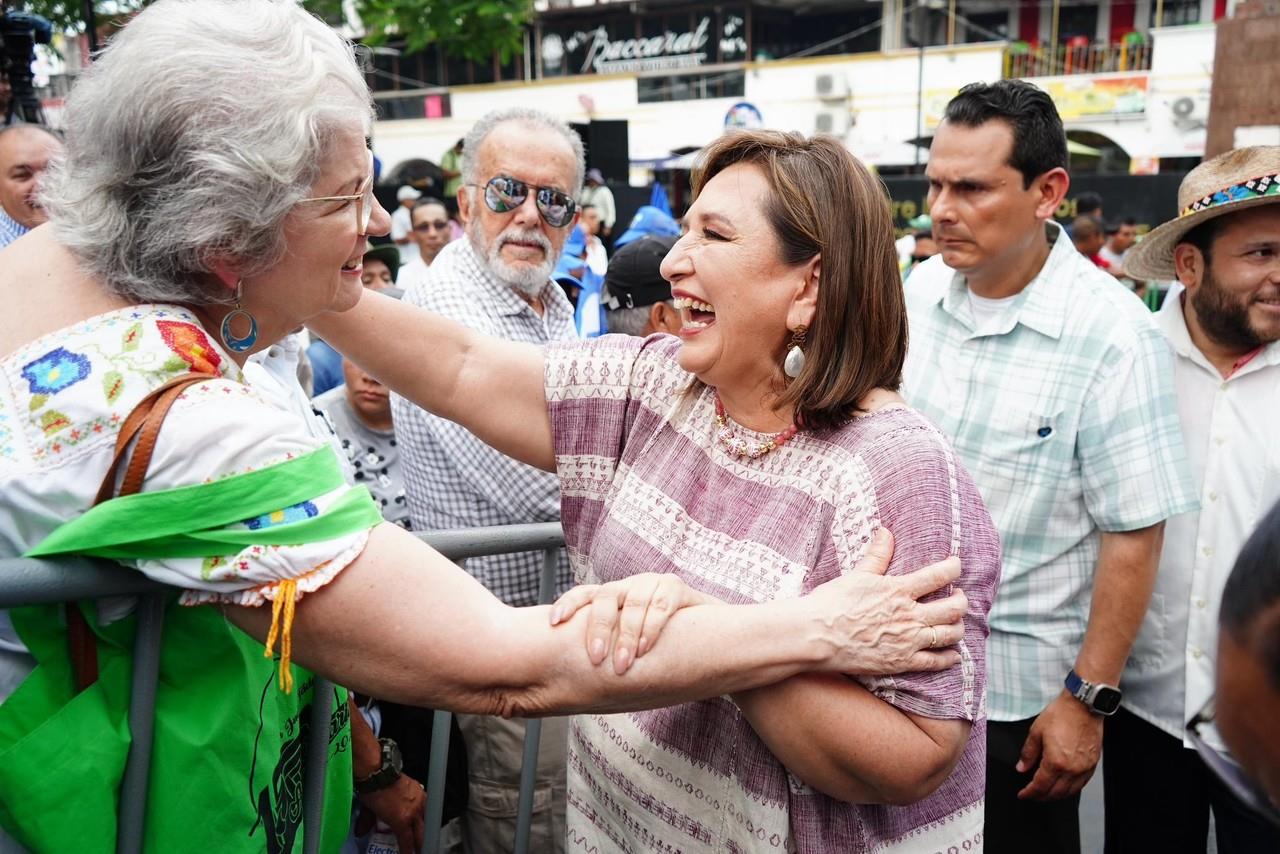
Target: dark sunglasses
<point x="1228" y="772"/>
<point x="504" y="193"/>
<point x="438" y="225"/>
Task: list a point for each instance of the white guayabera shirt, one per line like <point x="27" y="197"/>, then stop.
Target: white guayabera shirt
<point x="1226" y="425"/>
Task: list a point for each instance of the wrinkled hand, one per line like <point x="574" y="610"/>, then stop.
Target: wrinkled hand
<point x="401" y="807"/>
<point x="627" y="615"/>
<point x="876" y="622"/>
<point x="1066" y="741"/>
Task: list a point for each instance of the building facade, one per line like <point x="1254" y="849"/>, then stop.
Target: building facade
<point x="1132" y="78"/>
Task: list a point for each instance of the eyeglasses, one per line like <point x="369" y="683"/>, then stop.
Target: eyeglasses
<point x="363" y="197"/>
<point x="438" y="225"/>
<point x="504" y="193"/>
<point x="1241" y="786"/>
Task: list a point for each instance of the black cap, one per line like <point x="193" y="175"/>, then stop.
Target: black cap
<point x="633" y="280"/>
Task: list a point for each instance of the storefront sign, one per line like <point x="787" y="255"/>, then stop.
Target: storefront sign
<point x="1075" y="96"/>
<point x="666" y="52"/>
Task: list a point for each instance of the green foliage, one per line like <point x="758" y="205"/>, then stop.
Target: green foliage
<point x="68" y="15"/>
<point x="473" y="29"/>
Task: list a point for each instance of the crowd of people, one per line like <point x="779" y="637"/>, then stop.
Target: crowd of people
<point x="821" y="590"/>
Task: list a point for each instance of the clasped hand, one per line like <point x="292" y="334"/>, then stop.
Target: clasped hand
<point x="876" y="622"/>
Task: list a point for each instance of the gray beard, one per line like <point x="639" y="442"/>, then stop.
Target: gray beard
<point x="528" y="280"/>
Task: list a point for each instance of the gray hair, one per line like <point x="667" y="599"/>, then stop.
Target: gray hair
<point x="628" y="321"/>
<point x="533" y="119"/>
<point x="192" y="137"/>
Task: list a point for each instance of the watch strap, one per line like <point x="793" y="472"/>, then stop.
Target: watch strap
<point x="388" y="772"/>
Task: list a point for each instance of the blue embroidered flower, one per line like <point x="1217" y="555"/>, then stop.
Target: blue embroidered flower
<point x="296" y="513"/>
<point x="1239" y="191"/>
<point x="56" y="370"/>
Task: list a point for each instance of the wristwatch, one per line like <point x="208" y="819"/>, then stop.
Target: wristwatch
<point x="1100" y="699"/>
<point x="388" y="772"/>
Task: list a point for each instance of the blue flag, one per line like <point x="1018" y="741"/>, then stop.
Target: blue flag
<point x="658" y="199"/>
<point x="589" y="315"/>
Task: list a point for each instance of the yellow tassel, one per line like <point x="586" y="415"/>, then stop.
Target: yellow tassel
<point x="284" y="602"/>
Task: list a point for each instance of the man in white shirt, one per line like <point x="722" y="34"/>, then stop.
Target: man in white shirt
<point x="1224" y="248"/>
<point x="1117" y="246"/>
<point x="430" y="231"/>
<point x="402" y="223"/>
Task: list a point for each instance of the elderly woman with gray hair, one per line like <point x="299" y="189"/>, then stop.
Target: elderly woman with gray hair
<point x="212" y="199"/>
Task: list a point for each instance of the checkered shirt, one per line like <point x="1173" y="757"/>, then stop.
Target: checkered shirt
<point x="454" y="480"/>
<point x="1066" y="416"/>
<point x="10" y="229"/>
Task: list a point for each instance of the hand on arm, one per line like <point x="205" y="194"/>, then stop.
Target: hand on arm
<point x="450" y="370"/>
<point x="404" y="624"/>
<point x="897" y="631"/>
<point x="1066" y="739"/>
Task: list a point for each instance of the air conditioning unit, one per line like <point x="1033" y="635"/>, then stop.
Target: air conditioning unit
<point x="1189" y="113"/>
<point x="834" y="122"/>
<point x="831" y="87"/>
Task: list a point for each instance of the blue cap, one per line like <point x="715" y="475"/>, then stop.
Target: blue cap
<point x="648" y="221"/>
<point x="576" y="243"/>
<point x="562" y="273"/>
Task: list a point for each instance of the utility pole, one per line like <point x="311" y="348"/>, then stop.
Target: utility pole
<point x="918" y="21"/>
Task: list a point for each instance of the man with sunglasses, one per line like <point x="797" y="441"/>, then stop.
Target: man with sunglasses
<point x="1224" y="248"/>
<point x="430" y="230"/>
<point x="520" y="172"/>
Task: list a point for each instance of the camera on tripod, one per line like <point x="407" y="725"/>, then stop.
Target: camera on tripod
<point x="20" y="32"/>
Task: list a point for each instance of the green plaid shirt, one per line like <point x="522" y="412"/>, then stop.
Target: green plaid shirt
<point x="1065" y="414"/>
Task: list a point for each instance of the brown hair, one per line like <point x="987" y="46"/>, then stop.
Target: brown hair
<point x="822" y="200"/>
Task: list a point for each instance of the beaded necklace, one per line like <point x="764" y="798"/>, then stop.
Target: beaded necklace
<point x="739" y="447"/>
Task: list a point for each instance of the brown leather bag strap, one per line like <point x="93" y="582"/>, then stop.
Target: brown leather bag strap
<point x="141" y="419"/>
<point x="144" y="421"/>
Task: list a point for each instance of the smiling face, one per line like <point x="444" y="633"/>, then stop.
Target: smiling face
<point x="24" y="154"/>
<point x="519" y="247"/>
<point x="322" y="267"/>
<point x="1235" y="299"/>
<point x="737" y="298"/>
<point x="430" y="230"/>
<point x="985" y="222"/>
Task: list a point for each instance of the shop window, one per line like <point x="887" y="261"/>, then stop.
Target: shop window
<point x="691" y="87"/>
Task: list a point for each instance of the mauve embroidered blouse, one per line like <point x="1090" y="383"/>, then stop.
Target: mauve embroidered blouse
<point x="646" y="487"/>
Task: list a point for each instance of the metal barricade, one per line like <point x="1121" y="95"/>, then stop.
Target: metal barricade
<point x="25" y="581"/>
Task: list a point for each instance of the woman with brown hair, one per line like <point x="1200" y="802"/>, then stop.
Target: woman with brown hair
<point x="752" y="458"/>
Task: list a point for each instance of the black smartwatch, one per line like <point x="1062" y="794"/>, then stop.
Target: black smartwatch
<point x="1100" y="699"/>
<point x="388" y="772"/>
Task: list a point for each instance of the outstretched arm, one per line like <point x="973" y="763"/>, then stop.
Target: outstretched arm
<point x="404" y="624"/>
<point x="492" y="387"/>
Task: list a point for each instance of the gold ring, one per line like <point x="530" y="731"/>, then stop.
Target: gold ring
<point x="934" y="629"/>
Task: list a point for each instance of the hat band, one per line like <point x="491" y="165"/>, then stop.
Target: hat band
<point x="1254" y="188"/>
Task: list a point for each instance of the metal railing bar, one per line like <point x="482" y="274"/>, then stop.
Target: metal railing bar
<point x="507" y="539"/>
<point x="30" y="581"/>
<point x="533" y="728"/>
<point x="440" y="724"/>
<point x="132" y="815"/>
<point x="317" y="759"/>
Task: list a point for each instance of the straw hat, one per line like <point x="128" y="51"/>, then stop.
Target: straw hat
<point x="1240" y="179"/>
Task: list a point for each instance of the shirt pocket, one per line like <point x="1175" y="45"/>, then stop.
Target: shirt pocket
<point x="1027" y="446"/>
